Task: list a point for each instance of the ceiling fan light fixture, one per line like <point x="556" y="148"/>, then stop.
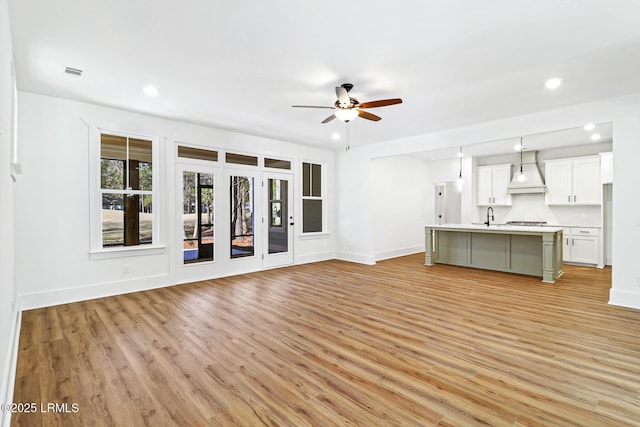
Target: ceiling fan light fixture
<point x="346" y="114"/>
<point x="347" y="108"/>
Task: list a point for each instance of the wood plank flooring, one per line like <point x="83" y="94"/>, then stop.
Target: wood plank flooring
<point x="340" y="344"/>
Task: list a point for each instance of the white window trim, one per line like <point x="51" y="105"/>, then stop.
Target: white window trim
<point x="323" y="190"/>
<point x="96" y="250"/>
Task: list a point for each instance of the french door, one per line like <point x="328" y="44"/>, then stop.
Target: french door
<point x="277" y="219"/>
<point x="230" y="222"/>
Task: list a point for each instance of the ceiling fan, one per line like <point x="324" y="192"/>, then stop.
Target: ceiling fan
<point x="348" y="108"/>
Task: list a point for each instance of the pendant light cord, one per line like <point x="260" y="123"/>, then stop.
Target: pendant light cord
<point x="521" y="148"/>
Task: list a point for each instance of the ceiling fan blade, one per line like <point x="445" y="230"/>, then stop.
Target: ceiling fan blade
<point x="380" y="103"/>
<point x="328" y="119"/>
<point x="312" y="106"/>
<point x="343" y="96"/>
<point x="368" y="116"/>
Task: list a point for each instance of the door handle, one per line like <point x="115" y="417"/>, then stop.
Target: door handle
<point x="290" y="223"/>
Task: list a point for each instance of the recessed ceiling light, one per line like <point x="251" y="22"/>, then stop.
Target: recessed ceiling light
<point x="595" y="137"/>
<point x="335" y="136"/>
<point x="553" y="83"/>
<point x="517" y="147"/>
<point x="151" y="90"/>
<point x="589" y="127"/>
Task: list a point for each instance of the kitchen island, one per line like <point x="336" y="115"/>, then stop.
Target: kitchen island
<point x="535" y="251"/>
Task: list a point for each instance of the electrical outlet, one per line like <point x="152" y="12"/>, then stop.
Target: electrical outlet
<point x="125" y="269"/>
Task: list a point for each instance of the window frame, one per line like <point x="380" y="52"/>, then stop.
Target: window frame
<point x="96" y="249"/>
<point x="322" y="198"/>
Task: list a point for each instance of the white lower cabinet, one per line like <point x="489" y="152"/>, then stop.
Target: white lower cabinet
<point x="581" y="245"/>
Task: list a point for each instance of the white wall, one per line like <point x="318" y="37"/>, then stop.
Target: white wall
<point x="400" y="188"/>
<point x="447" y="171"/>
<point x="53" y="264"/>
<point x="626" y="206"/>
<point x="354" y="208"/>
<point x="9" y="315"/>
<point x="624" y="112"/>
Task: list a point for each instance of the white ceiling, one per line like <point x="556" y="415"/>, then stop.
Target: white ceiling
<point x="572" y="137"/>
<point x="241" y="64"/>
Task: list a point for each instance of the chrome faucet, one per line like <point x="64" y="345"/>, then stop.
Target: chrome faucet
<point x="487" y="222"/>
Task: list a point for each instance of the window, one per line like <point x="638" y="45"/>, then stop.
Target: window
<point x="241" y="159"/>
<point x="312" y="205"/>
<point x="277" y="163"/>
<point x="197" y="153"/>
<point x="126" y="191"/>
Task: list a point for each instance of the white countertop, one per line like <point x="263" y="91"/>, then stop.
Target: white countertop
<point x="573" y="226"/>
<point x="497" y="228"/>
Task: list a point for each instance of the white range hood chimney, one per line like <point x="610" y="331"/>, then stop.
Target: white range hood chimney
<point x="533" y="182"/>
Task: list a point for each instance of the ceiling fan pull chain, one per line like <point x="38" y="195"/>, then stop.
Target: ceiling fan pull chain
<point x="346" y="124"/>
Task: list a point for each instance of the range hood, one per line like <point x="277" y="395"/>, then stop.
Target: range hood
<point x="533" y="182"/>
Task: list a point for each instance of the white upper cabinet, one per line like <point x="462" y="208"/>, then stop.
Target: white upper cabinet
<point x="573" y="181"/>
<point x="606" y="168"/>
<point x="493" y="182"/>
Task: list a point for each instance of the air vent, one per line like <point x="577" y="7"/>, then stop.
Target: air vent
<point x="73" y="71"/>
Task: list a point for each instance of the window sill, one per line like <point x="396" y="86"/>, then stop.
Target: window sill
<point x="314" y="236"/>
<point x="126" y="252"/>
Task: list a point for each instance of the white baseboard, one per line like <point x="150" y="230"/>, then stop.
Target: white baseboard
<point x="624" y="298"/>
<point x="360" y="259"/>
<point x="99" y="290"/>
<point x="399" y="252"/>
<point x="317" y="257"/>
<point x="9" y="374"/>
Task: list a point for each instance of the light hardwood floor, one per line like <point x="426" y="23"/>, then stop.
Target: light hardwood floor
<point x="335" y="343"/>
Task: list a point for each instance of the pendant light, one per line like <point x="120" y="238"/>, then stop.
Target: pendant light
<point x="460" y="180"/>
<point x="521" y="177"/>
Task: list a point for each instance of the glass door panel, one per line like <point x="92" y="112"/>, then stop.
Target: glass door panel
<point x="197" y="216"/>
<point x="277" y="239"/>
<point x="242" y="216"/>
<point x="278" y="222"/>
